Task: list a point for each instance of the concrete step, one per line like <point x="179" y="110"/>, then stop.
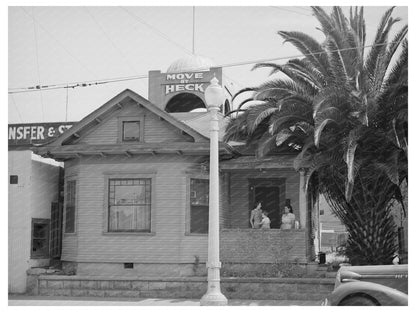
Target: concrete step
<point x="193" y="287"/>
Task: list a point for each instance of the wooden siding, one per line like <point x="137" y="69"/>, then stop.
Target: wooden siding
<point x="166" y="244"/>
<point x="155" y="129"/>
<point x="238" y="208"/>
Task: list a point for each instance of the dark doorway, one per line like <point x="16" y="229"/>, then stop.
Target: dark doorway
<point x="269" y="197"/>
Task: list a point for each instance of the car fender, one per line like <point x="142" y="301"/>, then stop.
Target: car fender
<point x="380" y="294"/>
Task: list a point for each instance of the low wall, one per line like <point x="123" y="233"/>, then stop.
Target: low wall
<point x="262" y="246"/>
<point x="232" y="288"/>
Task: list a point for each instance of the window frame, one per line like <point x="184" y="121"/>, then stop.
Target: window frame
<point x="199" y="176"/>
<point x="121" y="120"/>
<point x="106" y="209"/>
<point x="47" y="223"/>
<point x="72" y="180"/>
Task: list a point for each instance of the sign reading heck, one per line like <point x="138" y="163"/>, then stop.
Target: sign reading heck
<point x="37" y="133"/>
<point x="184" y="82"/>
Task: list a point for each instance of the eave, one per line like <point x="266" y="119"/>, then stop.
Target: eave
<point x="66" y="152"/>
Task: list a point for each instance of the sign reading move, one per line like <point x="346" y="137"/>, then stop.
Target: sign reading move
<point x="184" y="82"/>
<point x="37" y="133"/>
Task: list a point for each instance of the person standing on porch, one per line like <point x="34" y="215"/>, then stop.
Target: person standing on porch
<point x="265" y="222"/>
<point x="288" y="218"/>
<point x="256" y="217"/>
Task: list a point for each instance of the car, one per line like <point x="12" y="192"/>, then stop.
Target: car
<point x="384" y="285"/>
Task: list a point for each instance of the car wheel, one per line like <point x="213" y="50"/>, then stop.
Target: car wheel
<point x="357" y="301"/>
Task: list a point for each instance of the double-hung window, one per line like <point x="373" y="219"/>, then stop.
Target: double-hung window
<point x="129" y="205"/>
<point x="70" y="207"/>
<point x="199" y="195"/>
<point x="40" y="239"/>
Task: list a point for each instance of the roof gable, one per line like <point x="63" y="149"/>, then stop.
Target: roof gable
<point x="112" y="108"/>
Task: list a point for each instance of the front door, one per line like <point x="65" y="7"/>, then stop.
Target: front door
<point x="269" y="197"/>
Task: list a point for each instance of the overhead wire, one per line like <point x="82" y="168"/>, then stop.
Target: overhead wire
<point x="59" y="43"/>
<point x="288" y="10"/>
<point x="154" y="29"/>
<point x="129" y="65"/>
<point x="37" y="61"/>
<point x="120" y="79"/>
<point x="17" y="109"/>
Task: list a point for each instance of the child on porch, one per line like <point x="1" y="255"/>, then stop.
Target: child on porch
<point x="265" y="222"/>
<point x="256" y="217"/>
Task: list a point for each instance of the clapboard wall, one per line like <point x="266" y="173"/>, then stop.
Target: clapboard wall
<point x="168" y="241"/>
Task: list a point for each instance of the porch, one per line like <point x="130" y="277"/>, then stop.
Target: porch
<point x="245" y="181"/>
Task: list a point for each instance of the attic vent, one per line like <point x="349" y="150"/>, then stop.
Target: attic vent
<point x="128" y="265"/>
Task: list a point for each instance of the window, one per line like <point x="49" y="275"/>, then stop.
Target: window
<point x="199" y="195"/>
<point x="40" y="238"/>
<point x="70" y="207"/>
<point x="131" y="130"/>
<point x="14" y="179"/>
<point x="129" y="205"/>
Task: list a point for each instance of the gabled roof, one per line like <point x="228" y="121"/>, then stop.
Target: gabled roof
<point x="66" y="146"/>
<point x="116" y="102"/>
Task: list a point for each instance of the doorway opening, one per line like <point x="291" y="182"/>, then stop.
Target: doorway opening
<point x="271" y="193"/>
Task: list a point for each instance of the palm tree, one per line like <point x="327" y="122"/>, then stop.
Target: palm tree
<point x="345" y="112"/>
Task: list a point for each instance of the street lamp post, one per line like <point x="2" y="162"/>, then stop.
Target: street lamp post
<point x="214" y="97"/>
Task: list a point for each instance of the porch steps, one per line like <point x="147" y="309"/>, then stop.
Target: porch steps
<point x="185" y="287"/>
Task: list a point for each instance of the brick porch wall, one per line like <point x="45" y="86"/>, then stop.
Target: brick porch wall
<point x="262" y="246"/>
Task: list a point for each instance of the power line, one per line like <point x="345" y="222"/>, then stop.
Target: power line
<point x="17" y="109"/>
<point x="288" y="10"/>
<point x="193" y="30"/>
<point x="120" y="79"/>
<point x="59" y="43"/>
<point x="155" y="30"/>
<point x="37" y="60"/>
<point x="129" y="65"/>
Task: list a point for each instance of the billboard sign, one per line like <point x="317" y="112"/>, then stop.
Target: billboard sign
<point x="35" y="133"/>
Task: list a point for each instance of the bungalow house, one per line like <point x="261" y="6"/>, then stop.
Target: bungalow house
<point x="136" y="186"/>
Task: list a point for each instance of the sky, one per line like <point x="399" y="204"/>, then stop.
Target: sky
<point x="59" y="45"/>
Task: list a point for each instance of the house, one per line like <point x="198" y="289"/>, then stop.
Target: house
<point x="136" y="186"/>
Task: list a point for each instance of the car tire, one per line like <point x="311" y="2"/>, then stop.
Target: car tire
<point x="357" y="301"/>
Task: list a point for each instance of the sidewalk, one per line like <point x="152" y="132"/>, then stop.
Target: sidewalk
<point x="23" y="300"/>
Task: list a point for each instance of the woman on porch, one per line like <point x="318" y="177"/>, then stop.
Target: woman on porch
<point x="288" y="218"/>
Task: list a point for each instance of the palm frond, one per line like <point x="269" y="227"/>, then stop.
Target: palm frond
<point x="257" y="114"/>
<point x="250" y="89"/>
<point x="309" y="47"/>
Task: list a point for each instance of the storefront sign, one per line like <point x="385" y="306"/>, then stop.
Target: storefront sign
<point x="184" y="82"/>
<point x="37" y="133"/>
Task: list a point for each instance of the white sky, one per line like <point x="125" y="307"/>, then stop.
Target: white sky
<point x="55" y="45"/>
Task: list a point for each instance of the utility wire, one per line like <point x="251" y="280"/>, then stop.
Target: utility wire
<point x="57" y="41"/>
<point x="288" y="10"/>
<point x="37" y="61"/>
<point x="129" y="65"/>
<point x="17" y="109"/>
<point x="110" y="80"/>
<point x="155" y="30"/>
<point x="66" y="105"/>
<point x="193" y="30"/>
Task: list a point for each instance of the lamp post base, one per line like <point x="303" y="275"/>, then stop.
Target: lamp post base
<point x="213" y="298"/>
